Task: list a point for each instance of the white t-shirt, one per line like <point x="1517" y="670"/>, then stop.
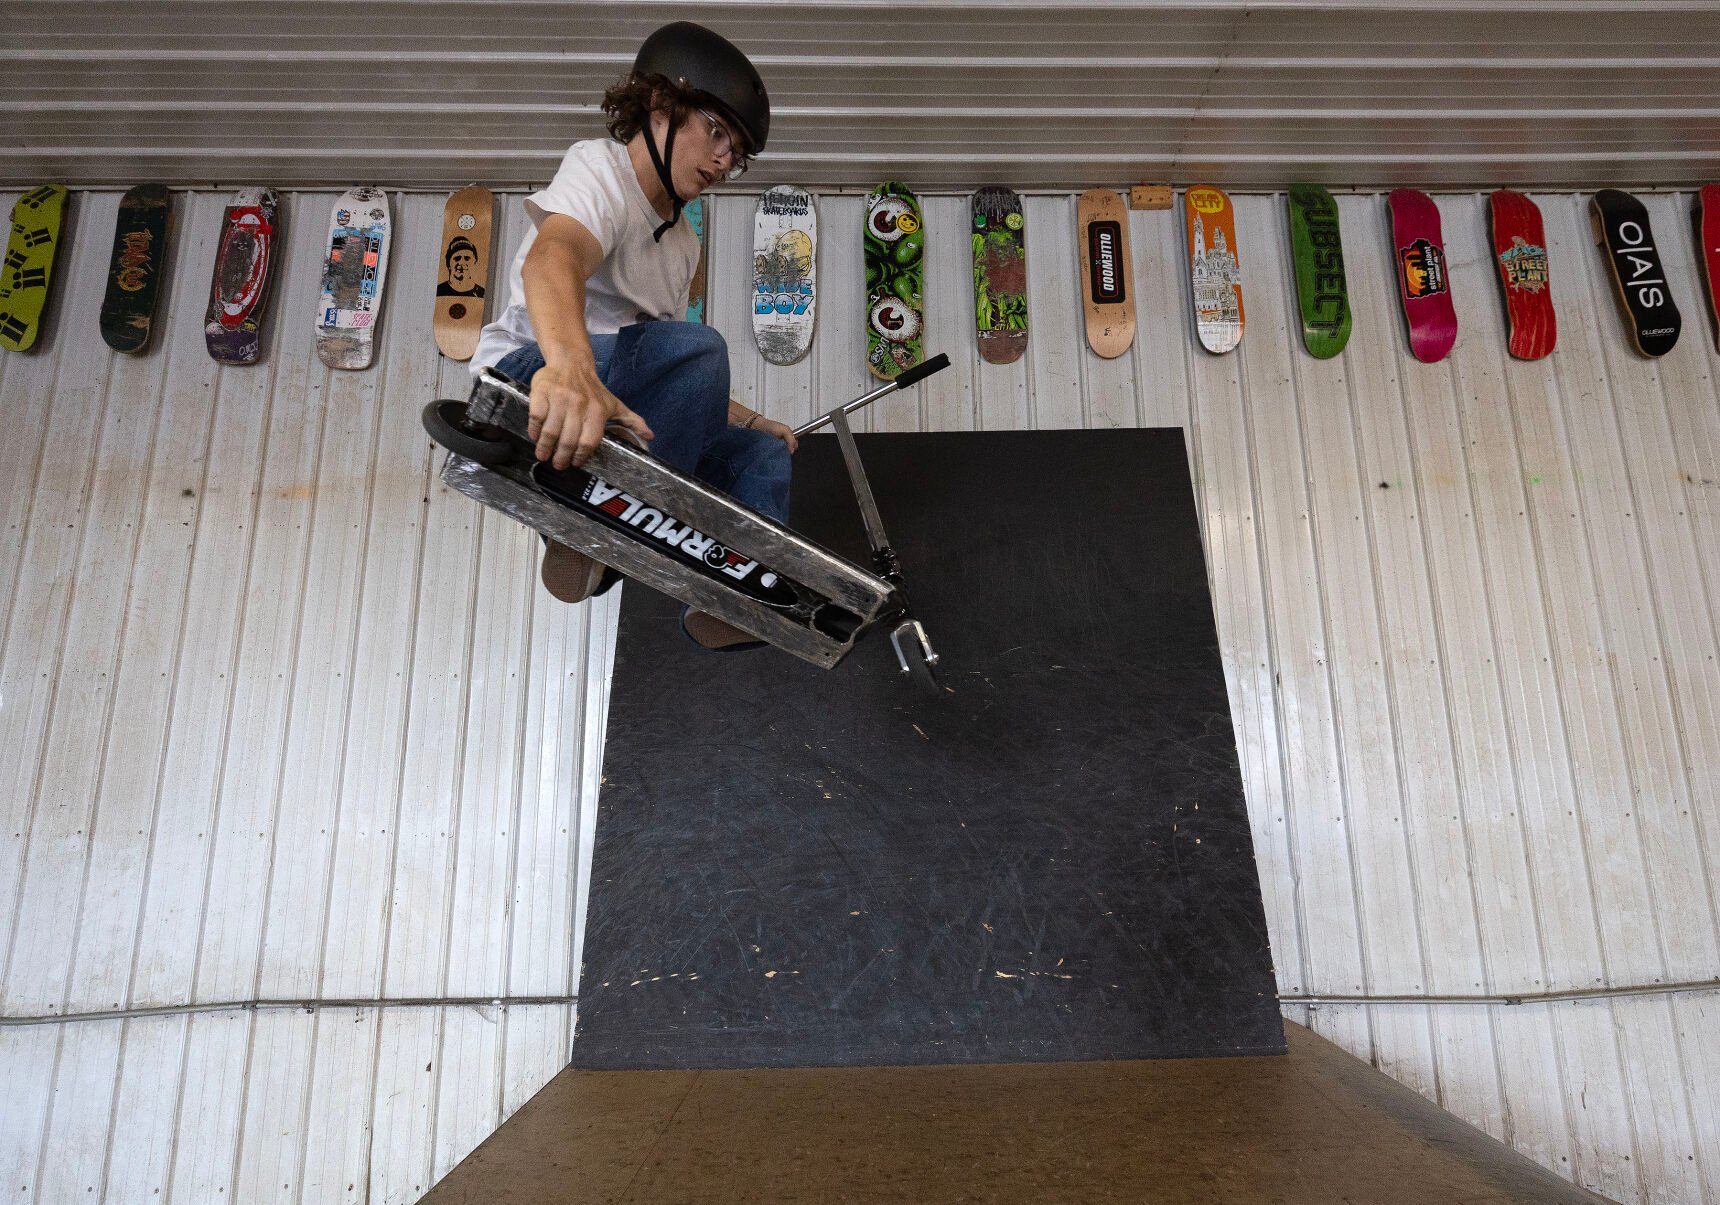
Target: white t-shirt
<point x="639" y="279"/>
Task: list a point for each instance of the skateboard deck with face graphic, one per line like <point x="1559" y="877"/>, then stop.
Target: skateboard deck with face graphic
<point x="1214" y="268"/>
<point x="355" y="266"/>
<point x="29" y="265"/>
<point x="1621" y="229"/>
<point x="244" y="271"/>
<point x="895" y="280"/>
<point x="134" y="276"/>
<point x="785" y="274"/>
<point x="1107" y="284"/>
<point x="1000" y="275"/>
<point x="1424" y="284"/>
<point x="464" y="276"/>
<point x="1317" y="251"/>
<point x="1520" y="251"/>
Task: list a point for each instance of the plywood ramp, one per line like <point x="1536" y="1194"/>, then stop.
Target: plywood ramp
<point x="1316" y="1125"/>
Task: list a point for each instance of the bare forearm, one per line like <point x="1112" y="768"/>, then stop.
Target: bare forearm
<point x="555" y="299"/>
<point x="740" y="416"/>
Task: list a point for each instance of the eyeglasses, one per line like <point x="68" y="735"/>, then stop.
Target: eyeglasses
<point x="723" y="145"/>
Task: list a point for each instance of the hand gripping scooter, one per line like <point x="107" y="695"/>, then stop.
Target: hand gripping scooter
<point x="672" y="532"/>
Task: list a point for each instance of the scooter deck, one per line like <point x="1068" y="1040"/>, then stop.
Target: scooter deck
<point x="675" y="534"/>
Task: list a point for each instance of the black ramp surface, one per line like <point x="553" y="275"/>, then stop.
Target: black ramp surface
<point x="799" y="867"/>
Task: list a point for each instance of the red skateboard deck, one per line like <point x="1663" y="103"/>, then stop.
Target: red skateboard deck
<point x="1708" y="238"/>
<point x="1520" y="250"/>
<point x="1424" y="285"/>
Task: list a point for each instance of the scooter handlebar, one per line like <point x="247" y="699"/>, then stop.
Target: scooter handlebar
<point x="919" y="372"/>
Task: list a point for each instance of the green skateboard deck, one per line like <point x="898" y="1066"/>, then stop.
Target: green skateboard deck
<point x="134" y="277"/>
<point x="1000" y="275"/>
<point x="1318" y="253"/>
<point x="29" y="264"/>
<point x="895" y="281"/>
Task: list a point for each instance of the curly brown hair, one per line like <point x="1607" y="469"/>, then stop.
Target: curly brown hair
<point x="632" y="99"/>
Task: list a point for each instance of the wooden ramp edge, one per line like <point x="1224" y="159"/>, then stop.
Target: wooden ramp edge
<point x="1315" y="1125"/>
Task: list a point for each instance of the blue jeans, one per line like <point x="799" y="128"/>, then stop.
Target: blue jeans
<point x="675" y="375"/>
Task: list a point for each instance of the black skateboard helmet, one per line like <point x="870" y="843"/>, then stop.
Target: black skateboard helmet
<point x="696" y="58"/>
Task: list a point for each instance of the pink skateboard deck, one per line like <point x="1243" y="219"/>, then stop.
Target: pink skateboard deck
<point x="1708" y="247"/>
<point x="1418" y="249"/>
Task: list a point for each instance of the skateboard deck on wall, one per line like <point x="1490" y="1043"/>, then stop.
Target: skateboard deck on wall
<point x="1520" y="251"/>
<point x="695" y="214"/>
<point x="785" y="274"/>
<point x="134" y="276"/>
<point x="464" y="276"/>
<point x="244" y="270"/>
<point x="1621" y="228"/>
<point x="1317" y="251"/>
<point x="1707" y="218"/>
<point x="355" y="265"/>
<point x="999" y="275"/>
<point x="1424" y="284"/>
<point x="1214" y="268"/>
<point x="1107" y="288"/>
<point x="895" y="280"/>
<point x="29" y="265"/>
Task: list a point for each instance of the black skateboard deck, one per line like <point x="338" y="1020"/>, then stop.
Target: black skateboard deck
<point x="1622" y="230"/>
<point x="134" y="276"/>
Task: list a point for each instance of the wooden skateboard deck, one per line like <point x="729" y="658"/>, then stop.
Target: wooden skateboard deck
<point x="1214" y="268"/>
<point x="1424" y="284"/>
<point x="1107" y="285"/>
<point x="1317" y="250"/>
<point x="696" y="291"/>
<point x="1520" y="251"/>
<point x="134" y="277"/>
<point x="1000" y="275"/>
<point x="1708" y="244"/>
<point x="785" y="274"/>
<point x="29" y="265"/>
<point x="895" y="280"/>
<point x="1621" y="229"/>
<point x="464" y="277"/>
<point x="244" y="270"/>
<point x="355" y="265"/>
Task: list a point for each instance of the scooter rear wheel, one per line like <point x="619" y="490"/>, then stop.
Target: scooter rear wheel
<point x="448" y="425"/>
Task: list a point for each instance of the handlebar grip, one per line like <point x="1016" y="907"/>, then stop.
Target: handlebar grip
<point x="919" y="372"/>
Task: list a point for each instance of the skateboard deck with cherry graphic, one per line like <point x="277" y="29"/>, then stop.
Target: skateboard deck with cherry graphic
<point x="895" y="280"/>
<point x="355" y="265"/>
<point x="1000" y="275"/>
<point x="1621" y="228"/>
<point x="1520" y="251"/>
<point x="1214" y="268"/>
<point x="1424" y="283"/>
<point x="1707" y="217"/>
<point x="29" y="265"/>
<point x="464" y="276"/>
<point x="785" y="273"/>
<point x="1107" y="285"/>
<point x="134" y="276"/>
<point x="244" y="271"/>
<point x="1317" y="251"/>
<point x="695" y="213"/>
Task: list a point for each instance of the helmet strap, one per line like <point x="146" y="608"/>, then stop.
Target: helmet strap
<point x="661" y="163"/>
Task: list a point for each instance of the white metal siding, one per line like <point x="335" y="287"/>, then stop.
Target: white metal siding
<point x="1455" y="93"/>
<point x="292" y="722"/>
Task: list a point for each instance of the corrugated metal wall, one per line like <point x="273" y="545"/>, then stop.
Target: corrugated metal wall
<point x="1456" y="93"/>
<point x="287" y="721"/>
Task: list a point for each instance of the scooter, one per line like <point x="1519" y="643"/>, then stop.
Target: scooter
<point x="665" y="529"/>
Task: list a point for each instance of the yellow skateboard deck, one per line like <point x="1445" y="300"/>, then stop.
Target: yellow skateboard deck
<point x="29" y="264"/>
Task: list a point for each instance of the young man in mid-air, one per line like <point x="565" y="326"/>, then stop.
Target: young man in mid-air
<point x="596" y="292"/>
